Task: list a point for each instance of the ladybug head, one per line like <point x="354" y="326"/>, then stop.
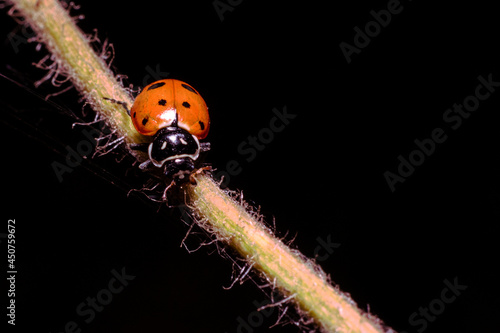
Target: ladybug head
<point x="176" y="150"/>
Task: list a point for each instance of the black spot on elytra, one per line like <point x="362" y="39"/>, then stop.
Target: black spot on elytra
<point x="134" y="114"/>
<point x="202" y="125"/>
<point x="157" y="85"/>
<point x="189" y="88"/>
<point x="186" y="105"/>
<point x="162" y="102"/>
<point x="144" y="121"/>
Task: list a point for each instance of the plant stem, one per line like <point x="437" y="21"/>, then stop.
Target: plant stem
<point x="292" y="273"/>
<point x="76" y="59"/>
<point x="298" y="278"/>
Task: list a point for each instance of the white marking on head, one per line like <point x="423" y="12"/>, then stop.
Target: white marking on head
<point x="159" y="164"/>
<point x="183" y="141"/>
<point x="163" y="145"/>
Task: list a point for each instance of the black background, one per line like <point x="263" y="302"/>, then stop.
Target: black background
<point x="321" y="177"/>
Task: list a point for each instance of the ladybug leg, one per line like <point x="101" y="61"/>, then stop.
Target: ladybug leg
<point x="125" y="106"/>
<point x="145" y="165"/>
<point x="192" y="176"/>
<point x="140" y="146"/>
<point x="164" y="196"/>
<point x="204" y="146"/>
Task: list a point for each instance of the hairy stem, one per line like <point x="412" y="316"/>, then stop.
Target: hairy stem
<point x="293" y="274"/>
<point x="76" y="59"/>
<point x="298" y="278"/>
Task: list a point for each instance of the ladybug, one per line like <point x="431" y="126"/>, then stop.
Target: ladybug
<point x="167" y="102"/>
<point x="176" y="117"/>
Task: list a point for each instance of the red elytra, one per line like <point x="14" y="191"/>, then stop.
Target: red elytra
<point x="164" y="102"/>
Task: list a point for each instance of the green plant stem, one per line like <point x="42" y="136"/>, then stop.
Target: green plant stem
<point x="75" y="58"/>
<point x="299" y="279"/>
<point x="292" y="273"/>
